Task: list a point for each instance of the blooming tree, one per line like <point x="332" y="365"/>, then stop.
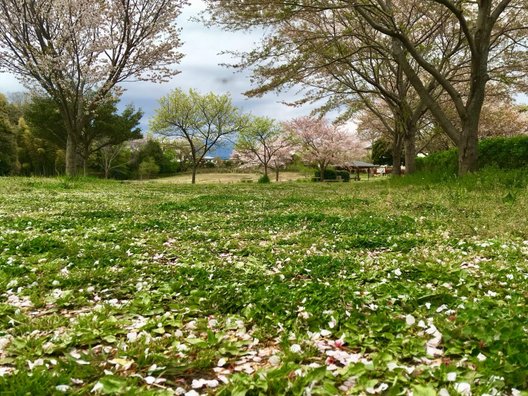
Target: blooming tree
<point x="77" y="51"/>
<point x="264" y="143"/>
<point x="454" y="49"/>
<point x="323" y="143"/>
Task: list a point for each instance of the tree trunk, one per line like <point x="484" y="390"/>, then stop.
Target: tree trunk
<point x="277" y="174"/>
<point x="266" y="169"/>
<point x="410" y="151"/>
<point x="468" y="142"/>
<point x="468" y="151"/>
<point x="322" y="171"/>
<point x="71" y="156"/>
<point x="107" y="165"/>
<point x="396" y="155"/>
<point x="194" y="168"/>
<point x="85" y="164"/>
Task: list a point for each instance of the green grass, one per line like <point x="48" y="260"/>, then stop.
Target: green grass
<point x="418" y="284"/>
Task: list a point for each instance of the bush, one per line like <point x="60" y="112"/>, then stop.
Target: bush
<point x="504" y="153"/>
<point x="332" y="174"/>
<point x="440" y="162"/>
<point x="497" y="152"/>
<point x="329" y="174"/>
<point x="148" y="168"/>
<point x="344" y="175"/>
<point x="264" y="179"/>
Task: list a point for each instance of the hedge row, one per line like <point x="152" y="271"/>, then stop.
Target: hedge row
<point x="499" y="152"/>
<point x="332" y="174"/>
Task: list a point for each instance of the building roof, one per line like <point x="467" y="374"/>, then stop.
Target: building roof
<point x="361" y="164"/>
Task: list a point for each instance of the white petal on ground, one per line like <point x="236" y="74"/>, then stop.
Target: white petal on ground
<point x="150" y="380"/>
<point x="198" y="384"/>
<point x="97" y="387"/>
<point x="481" y="357"/>
<point x="463" y="388"/>
<point x="274" y="360"/>
<point x="296" y="348"/>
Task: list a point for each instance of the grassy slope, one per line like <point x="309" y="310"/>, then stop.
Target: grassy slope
<point x="370" y="287"/>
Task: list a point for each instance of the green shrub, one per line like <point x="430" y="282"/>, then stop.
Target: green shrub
<point x="504" y="153"/>
<point x="498" y="152"/>
<point x="344" y="175"/>
<point x="264" y="179"/>
<point x="442" y="161"/>
<point x="148" y="168"/>
<point x="332" y="174"/>
<point x="329" y="174"/>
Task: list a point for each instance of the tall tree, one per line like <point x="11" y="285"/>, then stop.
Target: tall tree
<point x="109" y="128"/>
<point x="491" y="34"/>
<point x="204" y="121"/>
<point x="8" y="147"/>
<point x="457" y="46"/>
<point x="78" y="51"/>
<point x="38" y="156"/>
<point x="263" y="142"/>
<point x="340" y="60"/>
<point x="322" y="143"/>
<point x="103" y="127"/>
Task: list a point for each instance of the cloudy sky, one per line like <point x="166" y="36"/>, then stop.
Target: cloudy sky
<point x="200" y="69"/>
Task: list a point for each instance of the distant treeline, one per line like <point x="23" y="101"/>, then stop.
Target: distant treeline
<point x="33" y="142"/>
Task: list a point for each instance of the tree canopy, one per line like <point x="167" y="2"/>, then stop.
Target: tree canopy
<point x="78" y="51"/>
<point x="445" y="49"/>
<point x="204" y="121"/>
<point x="264" y="142"/>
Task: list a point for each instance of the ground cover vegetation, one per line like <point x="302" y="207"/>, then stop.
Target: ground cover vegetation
<point x="414" y="284"/>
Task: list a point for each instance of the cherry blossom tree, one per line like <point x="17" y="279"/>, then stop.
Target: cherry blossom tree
<point x="78" y="51"/>
<point x="323" y="143"/>
<point x="457" y="47"/>
<point x="264" y="143"/>
<point x="503" y="119"/>
<point x="489" y="34"/>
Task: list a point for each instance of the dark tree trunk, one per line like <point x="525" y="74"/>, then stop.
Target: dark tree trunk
<point x="86" y="154"/>
<point x="410" y="150"/>
<point x="468" y="152"/>
<point x="71" y="156"/>
<point x="396" y="155"/>
<point x="194" y="168"/>
<point x="468" y="142"/>
<point x="277" y="174"/>
<point x="322" y="170"/>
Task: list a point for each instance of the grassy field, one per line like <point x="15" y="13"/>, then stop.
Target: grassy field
<point x="388" y="287"/>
